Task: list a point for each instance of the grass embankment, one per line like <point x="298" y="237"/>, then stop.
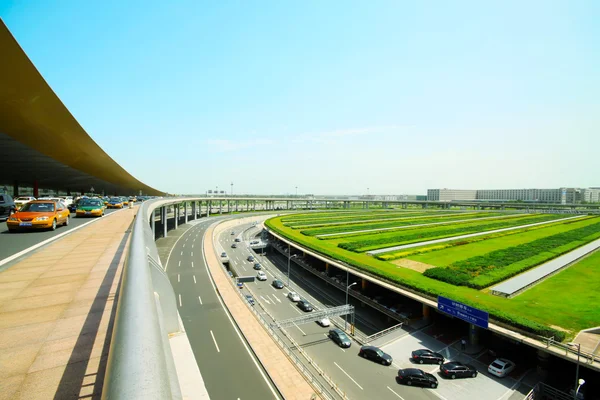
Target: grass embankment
<point x="484" y="270"/>
<point x="350" y="229"/>
<point x="500" y="309"/>
<point x="378" y="241"/>
<point x="444" y="254"/>
<point x="314" y="223"/>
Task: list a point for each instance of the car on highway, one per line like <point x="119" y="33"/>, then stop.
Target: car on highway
<point x="304" y="305"/>
<point x="250" y="258"/>
<point x="340" y="338"/>
<point x="233" y="246"/>
<point x="39" y="214"/>
<point x="232" y="232"/>
<point x="501" y="367"/>
<point x="324" y="322"/>
<point x="375" y="354"/>
<point x="223" y="254"/>
<point x="257" y="266"/>
<point x="293" y="296"/>
<point x="277" y="284"/>
<point x="115" y="202"/>
<point x="124" y="201"/>
<point x="250" y="299"/>
<point x="237" y="240"/>
<point x="230" y="273"/>
<point x="457" y="369"/>
<point x="261" y="276"/>
<point x="240" y="285"/>
<point x="20" y="201"/>
<point x="424" y="356"/>
<point x="90" y="208"/>
<point x="417" y="377"/>
<point x="7" y="206"/>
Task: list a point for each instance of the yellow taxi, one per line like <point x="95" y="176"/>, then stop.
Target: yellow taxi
<point x="39" y="214"/>
<point x="90" y="208"/>
<point x="115" y="202"/>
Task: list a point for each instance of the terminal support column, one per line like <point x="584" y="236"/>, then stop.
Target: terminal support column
<point x="185" y="214"/>
<point x="176" y="213"/>
<point x="164" y="220"/>
<point x="220" y="206"/>
<point x="208" y="205"/>
<point x="473" y="334"/>
<point x="426" y="312"/>
<point x="194" y="210"/>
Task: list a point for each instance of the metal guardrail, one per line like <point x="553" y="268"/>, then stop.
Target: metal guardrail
<point x="384" y="332"/>
<point x="140" y="363"/>
<point x="589" y="358"/>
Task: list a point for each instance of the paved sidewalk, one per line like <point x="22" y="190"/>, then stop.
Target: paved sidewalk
<point x="286" y="377"/>
<point x="56" y="312"/>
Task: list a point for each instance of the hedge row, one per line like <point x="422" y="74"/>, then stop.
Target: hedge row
<point x="416" y="282"/>
<point x="395" y="222"/>
<point x="482" y="271"/>
<point x="395" y="255"/>
<point x="420" y="235"/>
<point x="304" y="224"/>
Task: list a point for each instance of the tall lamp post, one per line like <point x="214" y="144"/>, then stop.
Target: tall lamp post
<point x="578" y="382"/>
<point x="346" y="315"/>
<point x="296" y="191"/>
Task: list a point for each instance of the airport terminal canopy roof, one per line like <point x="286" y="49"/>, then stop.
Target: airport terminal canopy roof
<point x="40" y="141"/>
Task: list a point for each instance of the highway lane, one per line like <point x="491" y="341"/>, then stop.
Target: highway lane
<point x="358" y="378"/>
<point x="12" y="243"/>
<point x="223" y="356"/>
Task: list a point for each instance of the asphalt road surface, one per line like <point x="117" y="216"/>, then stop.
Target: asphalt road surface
<point x="358" y="378"/>
<point x="12" y="243"/>
<point x="227" y="366"/>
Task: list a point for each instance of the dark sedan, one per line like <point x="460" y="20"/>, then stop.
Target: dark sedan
<point x="304" y="305"/>
<point x="257" y="266"/>
<point x="375" y="354"/>
<point x="277" y="284"/>
<point x="457" y="369"/>
<point x="424" y="356"/>
<point x="417" y="377"/>
<point x="7" y="206"/>
<point x="339" y="337"/>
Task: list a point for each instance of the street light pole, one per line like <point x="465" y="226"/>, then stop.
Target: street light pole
<point x="289" y="259"/>
<point x="346" y="315"/>
<point x="576" y="387"/>
<point x="296" y="191"/>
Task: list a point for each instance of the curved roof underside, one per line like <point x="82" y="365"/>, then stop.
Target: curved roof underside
<point x="41" y="141"/>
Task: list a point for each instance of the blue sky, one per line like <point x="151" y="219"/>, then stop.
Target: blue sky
<point x="332" y="97"/>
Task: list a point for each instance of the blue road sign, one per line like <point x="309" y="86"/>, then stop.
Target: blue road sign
<point x="463" y="311"/>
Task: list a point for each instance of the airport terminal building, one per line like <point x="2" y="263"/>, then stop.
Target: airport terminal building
<point x="562" y="195"/>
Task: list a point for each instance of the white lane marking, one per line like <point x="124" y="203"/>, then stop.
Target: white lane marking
<point x="276" y="298"/>
<point x="178" y="278"/>
<point x="252" y="356"/>
<point x="182" y="253"/>
<point x="214" y="340"/>
<point x="192" y="246"/>
<point x="179" y="264"/>
<point x="184" y="243"/>
<point x="199" y="299"/>
<point x="352" y="379"/>
<point x="304" y="333"/>
<point x="400" y="397"/>
<point x="179" y="300"/>
<point x="192" y="254"/>
<point x="194" y="278"/>
<point x="266" y="301"/>
<point x="295" y="308"/>
<point x="192" y="264"/>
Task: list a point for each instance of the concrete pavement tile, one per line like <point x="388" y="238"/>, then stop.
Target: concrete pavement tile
<point x="26" y="317"/>
<point x="81" y="324"/>
<point x="16" y="278"/>
<point x="68" y="351"/>
<point x="14" y="285"/>
<point x="17" y="360"/>
<point x="32" y="333"/>
<point x="59" y="279"/>
<point x="42" y="385"/>
<point x="10" y="385"/>
<point x="8" y="294"/>
<point x="35" y="302"/>
<point x="66" y="272"/>
<point x="26" y="269"/>
<point x="86" y="306"/>
<point x="48" y="289"/>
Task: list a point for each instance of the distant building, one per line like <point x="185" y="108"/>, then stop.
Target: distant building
<point x="562" y="195"/>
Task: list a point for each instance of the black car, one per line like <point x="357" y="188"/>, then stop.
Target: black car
<point x="257" y="266"/>
<point x="251" y="258"/>
<point x="234" y="246"/>
<point x="304" y="305"/>
<point x="424" y="356"/>
<point x="238" y="240"/>
<point x="417" y="377"/>
<point x="457" y="369"/>
<point x="339" y="337"/>
<point x="375" y="354"/>
<point x="223" y="254"/>
<point x="250" y="299"/>
<point x="277" y="284"/>
<point x="7" y="206"/>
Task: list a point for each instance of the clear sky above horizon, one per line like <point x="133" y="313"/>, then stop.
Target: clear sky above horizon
<point x="330" y="97"/>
